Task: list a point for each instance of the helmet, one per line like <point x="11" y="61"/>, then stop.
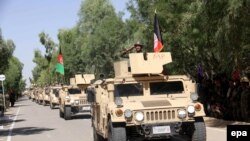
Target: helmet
<point x="138" y="44"/>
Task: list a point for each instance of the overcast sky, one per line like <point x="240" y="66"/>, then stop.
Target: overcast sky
<point x="22" y="21"/>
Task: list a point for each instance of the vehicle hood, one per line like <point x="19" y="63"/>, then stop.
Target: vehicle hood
<point x="153" y="103"/>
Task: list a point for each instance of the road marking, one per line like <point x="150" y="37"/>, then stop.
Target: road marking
<point x="12" y="125"/>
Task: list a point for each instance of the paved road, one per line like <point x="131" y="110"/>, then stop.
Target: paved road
<point x="28" y="121"/>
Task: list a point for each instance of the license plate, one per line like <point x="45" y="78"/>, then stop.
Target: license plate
<point x="161" y="129"/>
<point x="85" y="108"/>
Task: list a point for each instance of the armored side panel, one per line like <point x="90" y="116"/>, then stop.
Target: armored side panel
<point x="72" y="81"/>
<point x="84" y="79"/>
<point x="151" y="63"/>
<point x="122" y="68"/>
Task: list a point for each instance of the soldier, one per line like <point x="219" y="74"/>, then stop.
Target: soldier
<point x="137" y="48"/>
<point x="12" y="97"/>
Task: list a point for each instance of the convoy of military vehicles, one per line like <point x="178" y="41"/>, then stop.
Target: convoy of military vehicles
<point x="140" y="102"/>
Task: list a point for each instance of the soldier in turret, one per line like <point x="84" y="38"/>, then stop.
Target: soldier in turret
<point x="137" y="48"/>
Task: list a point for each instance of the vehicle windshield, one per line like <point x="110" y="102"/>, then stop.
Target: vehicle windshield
<point x="135" y="89"/>
<point x="158" y="88"/>
<point x="74" y="91"/>
<point x="56" y="92"/>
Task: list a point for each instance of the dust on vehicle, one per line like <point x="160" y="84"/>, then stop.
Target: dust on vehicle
<point x="73" y="99"/>
<point x="45" y="96"/>
<point x="141" y="102"/>
<point x="54" y="96"/>
<point x="39" y="95"/>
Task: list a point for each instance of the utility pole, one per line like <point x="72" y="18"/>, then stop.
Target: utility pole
<point x="2" y="78"/>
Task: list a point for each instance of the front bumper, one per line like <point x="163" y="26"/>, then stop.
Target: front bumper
<point x="80" y="109"/>
<point x="156" y="131"/>
<point x="55" y="101"/>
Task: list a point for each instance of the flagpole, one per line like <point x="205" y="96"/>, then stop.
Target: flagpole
<point x="158" y="41"/>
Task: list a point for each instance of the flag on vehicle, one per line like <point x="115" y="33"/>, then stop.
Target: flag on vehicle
<point x="59" y="65"/>
<point x="158" y="42"/>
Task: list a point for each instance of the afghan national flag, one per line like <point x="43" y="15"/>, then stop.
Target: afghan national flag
<point x="158" y="42"/>
<point x="59" y="65"/>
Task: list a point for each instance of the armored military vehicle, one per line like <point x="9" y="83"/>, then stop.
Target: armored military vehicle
<point x="34" y="94"/>
<point x="53" y="96"/>
<point x="29" y="92"/>
<point x="39" y="95"/>
<point x="141" y="102"/>
<point x="73" y="99"/>
<point x="46" y="96"/>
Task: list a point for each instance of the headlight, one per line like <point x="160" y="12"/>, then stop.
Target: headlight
<point x="194" y="96"/>
<point x="182" y="114"/>
<point x="118" y="101"/>
<point x="76" y="102"/>
<point x="128" y="113"/>
<point x="139" y="116"/>
<point x="118" y="112"/>
<point x="191" y="109"/>
<point x="67" y="97"/>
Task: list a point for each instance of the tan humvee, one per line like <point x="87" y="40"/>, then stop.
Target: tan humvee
<point x="36" y="93"/>
<point x="39" y="95"/>
<point x="30" y="93"/>
<point x="73" y="99"/>
<point x="53" y="96"/>
<point x="45" y="96"/>
<point x="142" y="103"/>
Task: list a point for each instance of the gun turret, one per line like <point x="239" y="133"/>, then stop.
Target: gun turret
<point x="138" y="65"/>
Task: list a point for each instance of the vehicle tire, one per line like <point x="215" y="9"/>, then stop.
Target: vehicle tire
<point x="97" y="137"/>
<point x="116" y="132"/>
<point x="52" y="106"/>
<point x="44" y="103"/>
<point x="67" y="113"/>
<point x="61" y="113"/>
<point x="199" y="133"/>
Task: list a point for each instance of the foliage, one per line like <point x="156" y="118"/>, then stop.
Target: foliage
<point x="48" y="44"/>
<point x="6" y="51"/>
<point x="214" y="34"/>
<point x="44" y="72"/>
<point x="14" y="75"/>
<point x="10" y="66"/>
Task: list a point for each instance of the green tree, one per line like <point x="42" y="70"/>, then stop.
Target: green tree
<point x="93" y="45"/>
<point x="13" y="75"/>
<point x="6" y="51"/>
<point x="44" y="71"/>
<point x="212" y="33"/>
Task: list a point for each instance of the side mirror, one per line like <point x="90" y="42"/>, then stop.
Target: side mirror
<point x="91" y="95"/>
